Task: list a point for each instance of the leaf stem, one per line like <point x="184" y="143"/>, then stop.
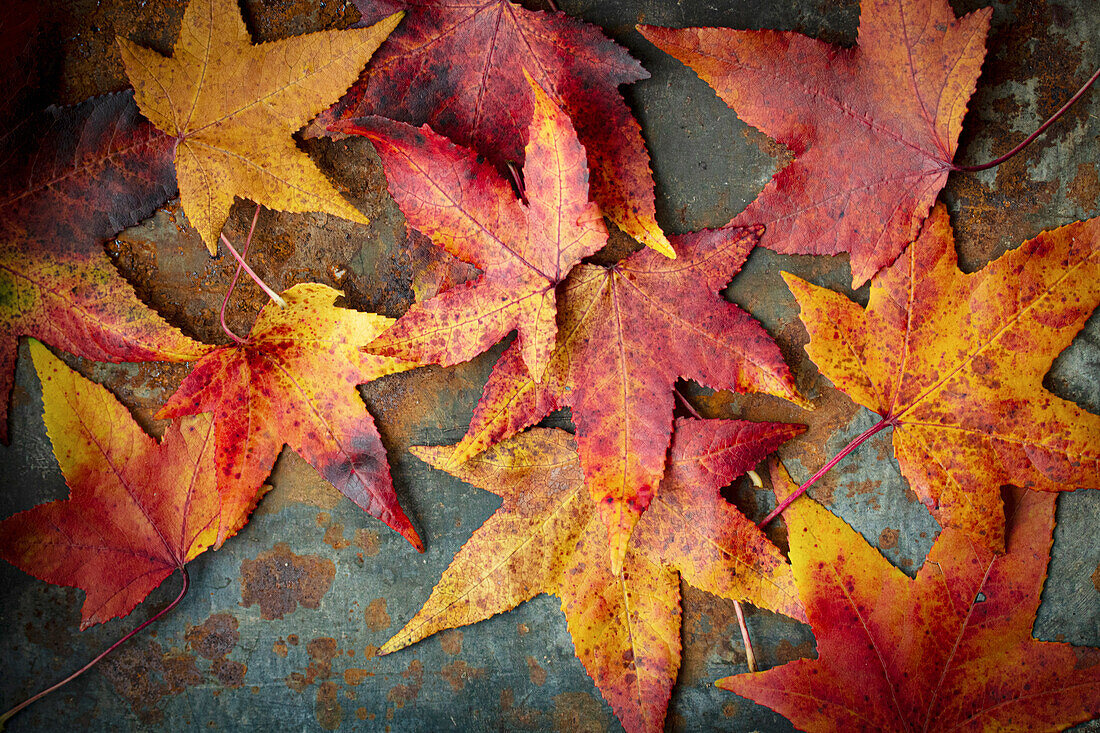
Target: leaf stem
<point x="683" y="400"/>
<point x="750" y="655"/>
<point x="183" y="591"/>
<point x="1028" y="140"/>
<point x="517" y="182"/>
<point x="263" y="286"/>
<point x="237" y="274"/>
<point x="859" y="440"/>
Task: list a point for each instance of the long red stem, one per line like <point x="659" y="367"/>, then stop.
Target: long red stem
<point x="183" y="591"/>
<point x="856" y="442"/>
<point x="263" y="286"/>
<point x="1027" y="140"/>
<point x="237" y="274"/>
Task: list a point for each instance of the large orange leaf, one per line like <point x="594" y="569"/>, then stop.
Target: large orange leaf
<point x="547" y="538"/>
<point x="232" y="108"/>
<point x="873" y="128"/>
<point x="293" y="382"/>
<point x="137" y="511"/>
<point x="69" y="178"/>
<point x="949" y="650"/>
<point x="957" y="361"/>
<point x="470" y="211"/>
<point x="625" y="335"/>
<point x="459" y="65"/>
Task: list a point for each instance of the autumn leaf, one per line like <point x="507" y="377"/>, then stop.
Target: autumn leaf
<point x="625" y="334"/>
<point x="873" y="129"/>
<point x="138" y="510"/>
<point x="956" y="363"/>
<point x="949" y="650"/>
<point x="547" y="538"/>
<point x="459" y="67"/>
<point x="293" y="382"/>
<point x="469" y="210"/>
<point x="69" y="178"/>
<point x="232" y="108"/>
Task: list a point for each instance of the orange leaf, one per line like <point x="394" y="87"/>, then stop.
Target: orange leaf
<point x="293" y="382"/>
<point x="460" y="67"/>
<point x="138" y="510"/>
<point x="873" y="128"/>
<point x="546" y="537"/>
<point x="948" y="650"/>
<point x="625" y="334"/>
<point x="233" y="108"/>
<point x="957" y="361"/>
<point x="470" y="211"/>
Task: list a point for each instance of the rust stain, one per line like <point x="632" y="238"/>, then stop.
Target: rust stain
<point x="536" y="672"/>
<point x="522" y="629"/>
<point x="451" y="642"/>
<point x="296" y="482"/>
<point x="328" y="710"/>
<point x="404" y="693"/>
<point x="280" y="648"/>
<point x="518" y="717"/>
<point x="888" y="539"/>
<point x="334" y="537"/>
<point x="279" y="581"/>
<point x="1085" y="188"/>
<point x="730" y="710"/>
<point x="229" y="673"/>
<point x="370" y="651"/>
<point x="354" y="677"/>
<point x="376" y="617"/>
<point x="458" y="672"/>
<point x="1096" y="579"/>
<point x="785" y="651"/>
<point x="579" y="712"/>
<point x="368" y="541"/>
<point x="215" y="637"/>
<point x="144" y="675"/>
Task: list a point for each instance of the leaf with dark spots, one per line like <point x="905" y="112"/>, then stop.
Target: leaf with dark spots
<point x="625" y="335"/>
<point x="466" y="208"/>
<point x="948" y="650"/>
<point x="547" y="537"/>
<point x="459" y="66"/>
<point x="957" y="361"/>
<point x="138" y="510"/>
<point x="293" y="382"/>
<point x="873" y="128"/>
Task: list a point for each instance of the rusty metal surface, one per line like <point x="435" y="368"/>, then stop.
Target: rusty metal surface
<point x="282" y="625"/>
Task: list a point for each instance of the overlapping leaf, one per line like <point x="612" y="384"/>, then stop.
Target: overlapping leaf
<point x="293" y="382"/>
<point x="873" y="128"/>
<point x="625" y="335"/>
<point x="469" y="210"/>
<point x="137" y="511"/>
<point x="547" y="538"/>
<point x="949" y="650"/>
<point x="69" y="178"/>
<point x="232" y="108"/>
<point x="957" y="362"/>
<point x="459" y="67"/>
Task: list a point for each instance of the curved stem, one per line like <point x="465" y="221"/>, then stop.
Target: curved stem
<point x="237" y="274"/>
<point x="856" y="442"/>
<point x="263" y="286"/>
<point x="750" y="655"/>
<point x="1027" y="140"/>
<point x="183" y="591"/>
<point x="684" y="401"/>
<point x="517" y="181"/>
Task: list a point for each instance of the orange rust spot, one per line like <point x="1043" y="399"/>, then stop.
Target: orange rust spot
<point x="376" y="616"/>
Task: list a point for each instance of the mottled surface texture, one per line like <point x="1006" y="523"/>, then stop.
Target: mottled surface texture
<point x="283" y="623"/>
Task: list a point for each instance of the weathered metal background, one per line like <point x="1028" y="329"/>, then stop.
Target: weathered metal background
<point x="281" y="627"/>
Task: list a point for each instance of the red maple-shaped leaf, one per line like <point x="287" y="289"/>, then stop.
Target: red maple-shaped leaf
<point x="293" y="382"/>
<point x="459" y="65"/>
<point x="873" y="128"/>
<point x="138" y="510"/>
<point x="69" y="178"/>
<point x="949" y="650"/>
<point x="469" y="210"/>
<point x="625" y="335"/>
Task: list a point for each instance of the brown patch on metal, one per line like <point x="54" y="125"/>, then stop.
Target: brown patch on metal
<point x="888" y="539"/>
<point x="370" y="651"/>
<point x="280" y="581"/>
<point x="1096" y="579"/>
<point x="704" y="640"/>
<point x="362" y="714"/>
<point x="144" y="675"/>
<point x="376" y="616"/>
<point x="401" y="694"/>
<point x="775" y="150"/>
<point x="785" y="651"/>
<point x="229" y="673"/>
<point x="296" y="482"/>
<point x="1085" y="188"/>
<point x="577" y="712"/>
<point x="328" y="710"/>
<point x="451" y="642"/>
<point x="518" y="717"/>
<point x="334" y="537"/>
<point x="457" y="673"/>
<point x="536" y="672"/>
<point x="279" y="647"/>
<point x="354" y="677"/>
<point x="730" y="710"/>
<point x="368" y="541"/>
<point x="321" y="651"/>
<point x="215" y="637"/>
<point x="522" y="629"/>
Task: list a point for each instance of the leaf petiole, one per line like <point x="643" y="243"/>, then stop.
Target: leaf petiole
<point x="1028" y="140"/>
<point x="263" y="286"/>
<point x="183" y="591"/>
<point x="237" y="274"/>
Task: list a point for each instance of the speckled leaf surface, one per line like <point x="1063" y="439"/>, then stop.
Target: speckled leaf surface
<point x="948" y="650"/>
<point x="138" y="509"/>
<point x="466" y="208"/>
<point x="293" y="382"/>
<point x="547" y="537"/>
<point x="459" y="67"/>
<point x="625" y="335"/>
<point x="873" y="129"/>
<point x="957" y="361"/>
<point x="231" y="108"/>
